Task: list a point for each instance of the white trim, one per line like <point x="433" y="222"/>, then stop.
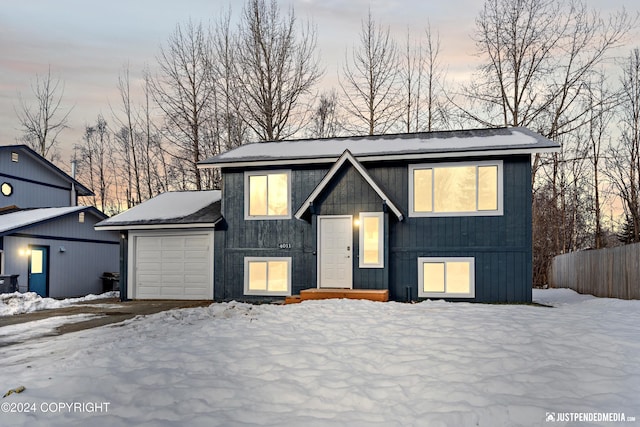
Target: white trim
<point x="248" y="291"/>
<point x="380" y="263"/>
<point x="319" y="252"/>
<point x="346" y="155"/>
<point x="363" y="158"/>
<point x="131" y="259"/>
<point x="497" y="212"/>
<point x="445" y="294"/>
<point x="248" y="174"/>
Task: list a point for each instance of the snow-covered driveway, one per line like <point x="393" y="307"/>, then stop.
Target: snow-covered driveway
<point x="337" y="362"/>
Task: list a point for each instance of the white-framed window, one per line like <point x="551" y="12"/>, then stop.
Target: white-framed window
<point x="450" y="277"/>
<point x="456" y="189"/>
<point x="371" y="240"/>
<point x="267" y="276"/>
<point x="267" y="195"/>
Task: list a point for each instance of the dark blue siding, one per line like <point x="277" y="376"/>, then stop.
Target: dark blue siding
<point x="500" y="245"/>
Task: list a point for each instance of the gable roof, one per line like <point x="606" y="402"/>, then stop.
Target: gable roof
<point x="24" y="218"/>
<point x="347" y="157"/>
<point x="179" y="209"/>
<point x="421" y="145"/>
<point x="81" y="190"/>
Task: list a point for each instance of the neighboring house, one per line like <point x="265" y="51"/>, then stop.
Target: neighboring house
<point x="168" y="246"/>
<point x="45" y="238"/>
<point x="424" y="215"/>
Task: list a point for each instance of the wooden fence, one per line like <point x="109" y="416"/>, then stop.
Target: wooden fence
<point x="611" y="272"/>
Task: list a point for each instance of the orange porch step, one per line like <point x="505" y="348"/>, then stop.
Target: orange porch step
<point x="368" y="294"/>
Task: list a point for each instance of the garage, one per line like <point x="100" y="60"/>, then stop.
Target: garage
<point x="172" y="265"/>
<point x="167" y="246"/>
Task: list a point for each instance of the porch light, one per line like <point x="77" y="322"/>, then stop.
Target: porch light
<point x="24" y="252"/>
<point x="356" y="222"/>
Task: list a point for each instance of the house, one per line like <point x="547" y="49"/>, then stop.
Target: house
<point x="46" y="239"/>
<point x="168" y="245"/>
<point x="423" y="215"/>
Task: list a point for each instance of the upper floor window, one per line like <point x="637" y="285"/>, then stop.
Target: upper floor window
<point x="456" y="189"/>
<point x="267" y="195"/>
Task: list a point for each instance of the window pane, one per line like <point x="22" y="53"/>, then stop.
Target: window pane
<point x="458" y="275"/>
<point x="371" y="228"/>
<point x="278" y="194"/>
<point x="455" y="189"/>
<point x="433" y="276"/>
<point x="36" y="261"/>
<point x="422" y="197"/>
<point x="278" y="273"/>
<point x="257" y="276"/>
<point x="257" y="195"/>
<point x="488" y="188"/>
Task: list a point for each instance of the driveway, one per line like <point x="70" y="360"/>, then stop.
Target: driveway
<point x="104" y="311"/>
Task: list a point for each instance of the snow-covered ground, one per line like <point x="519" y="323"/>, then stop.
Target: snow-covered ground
<point x="337" y="362"/>
<point x="18" y="303"/>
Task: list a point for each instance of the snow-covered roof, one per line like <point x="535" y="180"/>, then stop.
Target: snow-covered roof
<point x="475" y="142"/>
<point x="180" y="209"/>
<point x="13" y="221"/>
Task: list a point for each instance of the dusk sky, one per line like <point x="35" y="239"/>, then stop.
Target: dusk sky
<point x="87" y="43"/>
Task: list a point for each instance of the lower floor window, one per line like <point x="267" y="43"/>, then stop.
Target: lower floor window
<point x="446" y="277"/>
<point x="267" y="276"/>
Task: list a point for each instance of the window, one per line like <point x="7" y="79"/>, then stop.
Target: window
<point x="371" y="247"/>
<point x="267" y="195"/>
<point x="446" y="277"/>
<point x="455" y="189"/>
<point x="267" y="276"/>
<point x="7" y="189"/>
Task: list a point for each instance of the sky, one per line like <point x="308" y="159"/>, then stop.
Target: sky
<point x="87" y="43"/>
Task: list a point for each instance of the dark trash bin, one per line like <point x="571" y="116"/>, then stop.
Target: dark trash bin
<point x="8" y="283"/>
<point x="110" y="282"/>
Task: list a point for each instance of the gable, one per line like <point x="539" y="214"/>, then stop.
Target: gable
<point x="32" y="168"/>
<point x="347" y="159"/>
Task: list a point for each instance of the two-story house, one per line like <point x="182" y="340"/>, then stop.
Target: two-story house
<point x="47" y="241"/>
<point x="424" y="215"/>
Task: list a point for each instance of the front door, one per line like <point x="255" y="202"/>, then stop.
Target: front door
<point x="335" y="249"/>
<point x="39" y="270"/>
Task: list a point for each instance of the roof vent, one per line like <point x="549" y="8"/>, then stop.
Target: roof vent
<point x="14" y="156"/>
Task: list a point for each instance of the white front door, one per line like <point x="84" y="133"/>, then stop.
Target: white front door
<point x="335" y="249"/>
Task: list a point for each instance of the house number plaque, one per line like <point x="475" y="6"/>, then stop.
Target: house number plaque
<point x="284" y="245"/>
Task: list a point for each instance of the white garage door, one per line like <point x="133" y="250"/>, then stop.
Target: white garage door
<point x="173" y="266"/>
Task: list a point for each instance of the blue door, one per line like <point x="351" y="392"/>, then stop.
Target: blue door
<point x="39" y="270"/>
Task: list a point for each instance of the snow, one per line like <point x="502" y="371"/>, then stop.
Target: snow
<point x="18" y="303"/>
<point x="508" y="138"/>
<point x="27" y="217"/>
<point x="168" y="205"/>
<point x="338" y="363"/>
<point x="39" y="328"/>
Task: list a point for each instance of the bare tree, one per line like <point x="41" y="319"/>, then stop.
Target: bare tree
<point x="41" y="124"/>
<point x="93" y="163"/>
<point x="369" y="81"/>
<point x="602" y="102"/>
<point x="184" y="90"/>
<point x="623" y="165"/>
<point x="275" y="68"/>
<point x="422" y="77"/>
<point x="233" y="130"/>
<point x="326" y="121"/>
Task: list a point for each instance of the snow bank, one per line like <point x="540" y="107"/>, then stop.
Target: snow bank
<point x="339" y="363"/>
<point x="18" y="303"/>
